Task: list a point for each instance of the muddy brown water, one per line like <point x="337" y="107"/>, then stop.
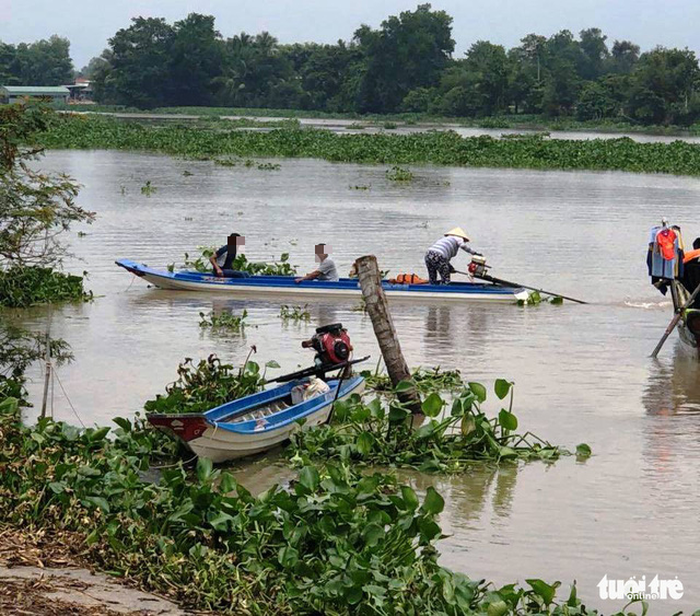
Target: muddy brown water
<point x="582" y="373"/>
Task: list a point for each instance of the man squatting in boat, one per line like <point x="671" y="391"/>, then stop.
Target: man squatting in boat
<point x="222" y="260"/>
<point x="437" y="259"/>
<point x="326" y="269"/>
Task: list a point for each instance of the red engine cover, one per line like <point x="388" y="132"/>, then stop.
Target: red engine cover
<point x="332" y="345"/>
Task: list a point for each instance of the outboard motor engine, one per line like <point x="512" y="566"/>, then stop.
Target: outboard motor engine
<point x="332" y="345"/>
<point x="478" y="267"/>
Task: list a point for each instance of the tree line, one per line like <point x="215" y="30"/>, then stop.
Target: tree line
<point x="42" y="63"/>
<point x="405" y="65"/>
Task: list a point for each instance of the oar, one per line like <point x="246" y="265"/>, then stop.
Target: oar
<point x="506" y="283"/>
<point x="674" y="322"/>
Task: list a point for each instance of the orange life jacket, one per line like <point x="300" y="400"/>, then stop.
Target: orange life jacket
<point x="690" y="256"/>
<point x="408" y="279"/>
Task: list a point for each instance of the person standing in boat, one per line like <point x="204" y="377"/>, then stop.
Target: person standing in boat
<point x="222" y="260"/>
<point x="437" y="259"/>
<point x="326" y="269"/>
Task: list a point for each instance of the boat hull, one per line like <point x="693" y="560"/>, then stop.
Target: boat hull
<point x="284" y="286"/>
<point x="219" y="441"/>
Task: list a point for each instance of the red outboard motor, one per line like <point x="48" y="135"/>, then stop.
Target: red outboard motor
<point x="332" y="345"/>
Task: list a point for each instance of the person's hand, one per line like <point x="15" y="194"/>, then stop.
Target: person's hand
<point x="298" y="280"/>
<point x="218" y="272"/>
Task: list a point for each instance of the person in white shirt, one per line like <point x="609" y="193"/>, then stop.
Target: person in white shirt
<point x="326" y="269"/>
<point x="437" y="259"/>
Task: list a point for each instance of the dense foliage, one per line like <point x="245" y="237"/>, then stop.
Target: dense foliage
<point x="406" y="64"/>
<point x="21" y="287"/>
<point x="42" y="63"/>
<point x="442" y="148"/>
<point x="334" y="542"/>
<point x="377" y="433"/>
<point x="208" y="383"/>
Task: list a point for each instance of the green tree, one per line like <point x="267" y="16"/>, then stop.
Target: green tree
<point x="408" y="51"/>
<point x="43" y="63"/>
<point x="196" y="53"/>
<point x="623" y="57"/>
<point x="257" y="73"/>
<point x="35" y="208"/>
<point x="663" y="87"/>
<point x="594" y="52"/>
<point x="139" y="66"/>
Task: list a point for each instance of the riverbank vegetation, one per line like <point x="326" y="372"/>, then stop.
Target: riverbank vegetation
<point x="333" y="541"/>
<point x="35" y="210"/>
<point x="442" y="148"/>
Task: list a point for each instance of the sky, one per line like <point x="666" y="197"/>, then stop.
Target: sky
<point x="88" y="24"/>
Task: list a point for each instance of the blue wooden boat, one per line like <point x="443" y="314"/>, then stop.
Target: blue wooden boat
<point x="255" y="423"/>
<point x="280" y="286"/>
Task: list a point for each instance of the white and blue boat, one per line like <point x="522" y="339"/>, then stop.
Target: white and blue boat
<point x="281" y="286"/>
<point x="255" y="423"/>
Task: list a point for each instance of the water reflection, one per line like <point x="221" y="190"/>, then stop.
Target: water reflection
<point x="673" y="386"/>
<point x="480" y="491"/>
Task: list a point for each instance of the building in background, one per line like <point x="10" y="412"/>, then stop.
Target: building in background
<point x="14" y="94"/>
<point x="80" y="91"/>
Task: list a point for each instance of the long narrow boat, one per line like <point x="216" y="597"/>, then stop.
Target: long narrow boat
<point x="270" y="286"/>
<point x="255" y="423"/>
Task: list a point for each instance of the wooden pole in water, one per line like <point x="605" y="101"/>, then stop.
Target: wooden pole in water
<point x="47" y="373"/>
<point x="378" y="311"/>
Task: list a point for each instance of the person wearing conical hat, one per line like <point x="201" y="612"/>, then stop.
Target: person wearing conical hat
<point x="437" y="259"/>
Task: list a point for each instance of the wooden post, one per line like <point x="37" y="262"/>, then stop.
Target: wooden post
<point x="378" y="310"/>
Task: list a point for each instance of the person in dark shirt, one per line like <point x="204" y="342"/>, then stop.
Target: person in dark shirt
<point x="222" y="260"/>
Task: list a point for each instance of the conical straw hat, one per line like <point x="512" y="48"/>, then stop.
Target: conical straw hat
<point x="459" y="232"/>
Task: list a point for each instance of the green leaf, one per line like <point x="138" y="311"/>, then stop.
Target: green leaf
<point x="372" y="534"/>
<point x="124" y="424"/>
<point x="433" y="502"/>
<point x="544" y="590"/>
<point x="502" y="388"/>
<point x="507" y="420"/>
<point x="404" y="386"/>
<point x="583" y="450"/>
<point x="99" y="502"/>
<point x="409" y="498"/>
<point x="364" y="443"/>
<point x="272" y="364"/>
<point x="98" y="435"/>
<point x="432" y="405"/>
<point x="478" y="390"/>
<point x="308" y="477"/>
<point x="497" y="608"/>
<point x="204" y="469"/>
<point x="397" y="414"/>
<point x="429" y="530"/>
<point x="556" y="300"/>
<point x="288" y="556"/>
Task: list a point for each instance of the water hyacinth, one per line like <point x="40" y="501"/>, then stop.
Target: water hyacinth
<point x="335" y="542"/>
<point x="380" y="433"/>
<point x="442" y="148"/>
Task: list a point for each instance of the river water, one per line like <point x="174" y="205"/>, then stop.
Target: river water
<point x="582" y="373"/>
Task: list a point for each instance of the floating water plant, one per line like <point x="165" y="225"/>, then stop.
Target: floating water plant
<point x="224" y="320"/>
<point x="148" y="189"/>
<point x="398" y="174"/>
<point x="454" y="435"/>
<point x="295" y="313"/>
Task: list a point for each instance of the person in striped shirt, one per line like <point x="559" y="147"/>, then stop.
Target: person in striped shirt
<point x="437" y="259"/>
